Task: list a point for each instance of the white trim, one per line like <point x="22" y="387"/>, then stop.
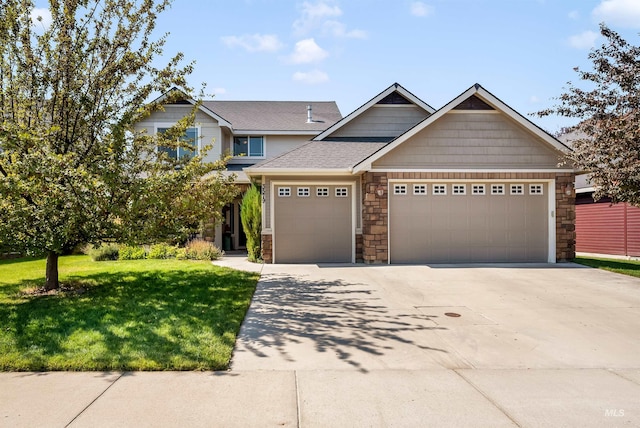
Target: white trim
<point x="485" y="96"/>
<point x="551" y="202"/>
<point x="469" y="180"/>
<point x="241" y="132"/>
<point x="241" y="157"/>
<point x="201" y="107"/>
<point x="296" y="172"/>
<point x="586" y="190"/>
<point x="292" y="183"/>
<point x="396" y="87"/>
<point x="167" y="125"/>
<point x="468" y="170"/>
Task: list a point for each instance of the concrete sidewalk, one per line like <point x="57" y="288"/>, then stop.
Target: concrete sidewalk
<point x="352" y="346"/>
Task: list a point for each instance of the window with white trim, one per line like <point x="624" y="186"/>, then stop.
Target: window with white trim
<point x="517" y="189"/>
<point x="304" y="192"/>
<point x="535" y="189"/>
<point x="248" y="146"/>
<point x="497" y="189"/>
<point x="459" y="189"/>
<point x="190" y="137"/>
<point x="322" y="192"/>
<point x="284" y="191"/>
<point x="399" y="189"/>
<point x="478" y="189"/>
<point x="439" y="189"/>
<point x="342" y="192"/>
<point x="419" y="189"/>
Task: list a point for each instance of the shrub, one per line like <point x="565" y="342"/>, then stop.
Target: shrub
<point x="251" y="217"/>
<point x="162" y="251"/>
<point x="199" y="249"/>
<point x="181" y="254"/>
<point x="128" y="252"/>
<point x="104" y="252"/>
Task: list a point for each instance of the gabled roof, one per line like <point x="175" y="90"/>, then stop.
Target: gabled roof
<point x="277" y="115"/>
<point x="484" y="96"/>
<point x="317" y="156"/>
<point x="191" y="101"/>
<point x="396" y="87"/>
<point x="267" y="116"/>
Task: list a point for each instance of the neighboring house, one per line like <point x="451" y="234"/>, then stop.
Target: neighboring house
<point x="603" y="228"/>
<point x="250" y="131"/>
<point x="399" y="182"/>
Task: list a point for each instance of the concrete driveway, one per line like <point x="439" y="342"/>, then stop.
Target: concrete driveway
<point x="533" y="345"/>
<point x="373" y="346"/>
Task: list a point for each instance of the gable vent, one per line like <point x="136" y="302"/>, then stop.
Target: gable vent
<point x="473" y="103"/>
<point x="394" y="98"/>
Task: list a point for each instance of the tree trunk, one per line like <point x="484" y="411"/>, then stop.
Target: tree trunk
<point x="52" y="271"/>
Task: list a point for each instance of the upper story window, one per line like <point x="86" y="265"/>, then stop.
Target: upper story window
<point x="248" y="146"/>
<point x="190" y="137"/>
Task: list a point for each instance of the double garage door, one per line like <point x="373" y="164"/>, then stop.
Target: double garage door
<point x="468" y="222"/>
<point x="313" y="224"/>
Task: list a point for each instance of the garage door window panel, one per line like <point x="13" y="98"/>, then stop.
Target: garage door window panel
<point x="284" y="192"/>
<point x="478" y="189"/>
<point x="304" y="192"/>
<point x="399" y="189"/>
<point x="419" y="189"/>
<point x="439" y="189"/>
<point x="536" y="189"/>
<point x="517" y="189"/>
<point x="497" y="189"/>
<point x="342" y="192"/>
<point x="322" y="192"/>
<point x="459" y="189"/>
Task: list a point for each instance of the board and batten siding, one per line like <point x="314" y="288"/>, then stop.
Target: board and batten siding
<point x="477" y="140"/>
<point x="210" y="131"/>
<point x="382" y="121"/>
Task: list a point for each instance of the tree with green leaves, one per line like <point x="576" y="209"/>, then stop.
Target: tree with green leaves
<point x="606" y="140"/>
<point x="251" y="217"/>
<point x="73" y="169"/>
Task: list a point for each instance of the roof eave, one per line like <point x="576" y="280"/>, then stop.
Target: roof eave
<point x="256" y="172"/>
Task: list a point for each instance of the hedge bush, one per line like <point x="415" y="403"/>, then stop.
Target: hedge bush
<point x="128" y="252"/>
<point x="162" y="251"/>
<point x="199" y="249"/>
<point x="104" y="252"/>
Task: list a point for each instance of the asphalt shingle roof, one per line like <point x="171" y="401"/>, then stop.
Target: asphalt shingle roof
<point x="276" y="115"/>
<point x="323" y="154"/>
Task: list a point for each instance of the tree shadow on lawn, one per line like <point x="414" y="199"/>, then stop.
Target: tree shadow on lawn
<point x="150" y="320"/>
<point x="337" y="316"/>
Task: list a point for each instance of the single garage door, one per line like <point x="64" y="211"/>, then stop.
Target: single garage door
<point x="313" y="224"/>
<point x="468" y="222"/>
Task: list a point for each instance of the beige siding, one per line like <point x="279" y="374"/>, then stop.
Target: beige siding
<point x="210" y="131"/>
<point x="382" y="121"/>
<point x="471" y="140"/>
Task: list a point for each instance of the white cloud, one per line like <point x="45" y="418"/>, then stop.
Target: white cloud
<point x="254" y="42"/>
<point x="312" y="77"/>
<point x="307" y="51"/>
<point x="419" y="8"/>
<point x="219" y="91"/>
<point x="584" y="40"/>
<point x="574" y="14"/>
<point x="625" y="13"/>
<point x="313" y="15"/>
<point x="41" y="18"/>
<point x="338" y="29"/>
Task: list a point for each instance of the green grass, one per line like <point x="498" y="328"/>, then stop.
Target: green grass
<point x="627" y="267"/>
<point x="134" y="315"/>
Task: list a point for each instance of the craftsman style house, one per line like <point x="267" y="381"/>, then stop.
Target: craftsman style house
<point x="399" y="182"/>
<point x="395" y="181"/>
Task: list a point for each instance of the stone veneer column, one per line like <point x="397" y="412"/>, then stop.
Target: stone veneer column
<point x="565" y="218"/>
<point x="375" y="238"/>
<point x="267" y="249"/>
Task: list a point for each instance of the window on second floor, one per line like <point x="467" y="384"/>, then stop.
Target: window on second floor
<point x="190" y="137"/>
<point x="248" y="146"/>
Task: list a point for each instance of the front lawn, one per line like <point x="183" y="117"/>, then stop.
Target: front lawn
<point x="627" y="267"/>
<point x="122" y="315"/>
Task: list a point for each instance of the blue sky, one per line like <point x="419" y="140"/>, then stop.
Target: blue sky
<point x="523" y="51"/>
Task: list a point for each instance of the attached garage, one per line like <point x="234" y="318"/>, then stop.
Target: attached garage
<point x="313" y="223"/>
<point x="469" y="222"/>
